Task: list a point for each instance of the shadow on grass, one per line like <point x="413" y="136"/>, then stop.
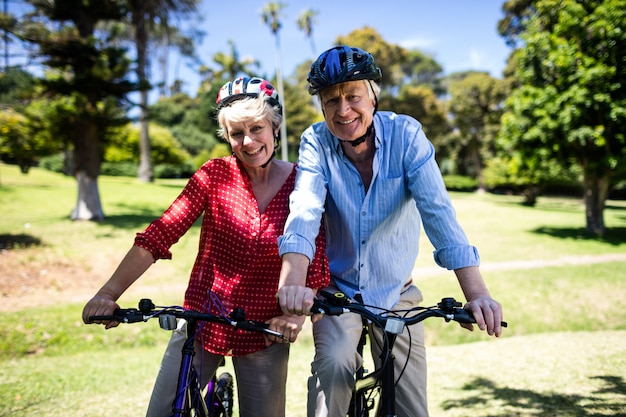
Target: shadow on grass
<point x="136" y="221"/>
<point x="521" y="402"/>
<point x="130" y="221"/>
<point x="19" y="241"/>
<point x="613" y="236"/>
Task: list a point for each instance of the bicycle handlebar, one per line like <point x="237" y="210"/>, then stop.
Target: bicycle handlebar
<point x="147" y="310"/>
<point x="449" y="309"/>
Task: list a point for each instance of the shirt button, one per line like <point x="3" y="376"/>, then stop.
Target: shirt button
<point x="362" y="242"/>
<point x="363" y="213"/>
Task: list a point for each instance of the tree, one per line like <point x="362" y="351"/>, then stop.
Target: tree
<point x="142" y="17"/>
<point x="17" y="87"/>
<point x="571" y="103"/>
<point x="301" y="108"/>
<point x="189" y="119"/>
<point x="420" y="101"/>
<point x="422" y="69"/>
<point x="389" y="57"/>
<point x="271" y="17"/>
<point x="306" y="20"/>
<point x="231" y="65"/>
<point x="90" y="73"/>
<point x="476" y="103"/>
<point x="517" y="13"/>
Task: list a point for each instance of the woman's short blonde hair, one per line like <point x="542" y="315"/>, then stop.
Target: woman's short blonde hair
<point x="248" y="109"/>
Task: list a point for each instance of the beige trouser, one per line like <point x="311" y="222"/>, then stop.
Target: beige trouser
<point x="336" y="361"/>
<point x="261" y="378"/>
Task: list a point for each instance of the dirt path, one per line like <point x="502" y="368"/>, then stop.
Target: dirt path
<point x="30" y="281"/>
<point x="531" y="264"/>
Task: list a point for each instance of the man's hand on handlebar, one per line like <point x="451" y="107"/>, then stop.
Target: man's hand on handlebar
<point x="488" y="315"/>
<point x="295" y="300"/>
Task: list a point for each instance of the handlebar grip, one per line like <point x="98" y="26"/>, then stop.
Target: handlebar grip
<point x="466" y="316"/>
<point x="121" y="315"/>
<point x="321" y="307"/>
<point x="253" y="326"/>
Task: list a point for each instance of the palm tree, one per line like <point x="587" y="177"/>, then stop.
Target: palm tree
<point x="270" y="15"/>
<point x="306" y="20"/>
<point x="231" y="64"/>
<point x="143" y="16"/>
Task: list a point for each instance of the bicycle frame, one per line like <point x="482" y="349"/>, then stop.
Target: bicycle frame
<point x="188" y="393"/>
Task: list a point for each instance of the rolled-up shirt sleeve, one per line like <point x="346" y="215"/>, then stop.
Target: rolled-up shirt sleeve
<point x="306" y="202"/>
<point x="164" y="232"/>
<point x="452" y="248"/>
<point x="455" y="257"/>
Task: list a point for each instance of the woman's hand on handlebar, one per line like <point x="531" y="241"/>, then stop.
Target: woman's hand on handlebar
<point x="100" y="306"/>
<point x="288" y="326"/>
<point x="488" y="315"/>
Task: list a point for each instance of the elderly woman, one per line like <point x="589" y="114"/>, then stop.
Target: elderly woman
<point x="244" y="202"/>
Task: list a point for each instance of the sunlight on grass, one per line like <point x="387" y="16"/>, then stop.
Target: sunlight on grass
<point x="563" y="353"/>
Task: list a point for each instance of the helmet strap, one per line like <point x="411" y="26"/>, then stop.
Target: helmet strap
<point x="358" y="141"/>
<point x="273" y="152"/>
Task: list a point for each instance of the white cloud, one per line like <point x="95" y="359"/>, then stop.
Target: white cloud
<point x="418" y="42"/>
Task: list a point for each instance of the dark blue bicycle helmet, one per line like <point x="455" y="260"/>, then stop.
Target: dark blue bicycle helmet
<point x="340" y="64"/>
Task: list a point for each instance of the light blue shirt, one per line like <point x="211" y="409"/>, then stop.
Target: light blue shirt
<point x="373" y="237"/>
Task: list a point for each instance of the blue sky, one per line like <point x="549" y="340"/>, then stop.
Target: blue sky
<point x="459" y="34"/>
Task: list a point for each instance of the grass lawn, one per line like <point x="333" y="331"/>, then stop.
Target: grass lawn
<point x="563" y="293"/>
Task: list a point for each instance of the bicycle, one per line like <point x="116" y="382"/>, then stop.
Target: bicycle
<point x="380" y="383"/>
<point x="189" y="400"/>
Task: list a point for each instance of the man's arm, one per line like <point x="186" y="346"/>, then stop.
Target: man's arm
<point x="293" y="295"/>
<point x="486" y="310"/>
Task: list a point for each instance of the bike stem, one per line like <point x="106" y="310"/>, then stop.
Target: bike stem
<point x="178" y="407"/>
<point x="388" y="392"/>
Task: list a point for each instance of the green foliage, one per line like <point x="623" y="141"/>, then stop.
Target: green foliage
<point x="119" y="169"/>
<point x="14" y="138"/>
<point x="460" y="183"/>
<point x="16" y="88"/>
<point x="515" y="173"/>
<point x="164" y="147"/>
<point x="420" y="102"/>
<point x="191" y="121"/>
<point x="54" y="163"/>
<point x="220" y="150"/>
<point x="300" y="109"/>
<point x="389" y="57"/>
<point x="184" y="170"/>
<point x="476" y="101"/>
<point x="570" y="106"/>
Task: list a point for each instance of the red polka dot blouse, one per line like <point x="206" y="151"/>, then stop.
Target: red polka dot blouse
<point x="238" y="252"/>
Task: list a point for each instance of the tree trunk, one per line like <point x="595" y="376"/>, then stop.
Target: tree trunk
<point x="145" y="173"/>
<point x="474" y="150"/>
<point x="596" y="188"/>
<point x="87" y="157"/>
<point x="88" y="206"/>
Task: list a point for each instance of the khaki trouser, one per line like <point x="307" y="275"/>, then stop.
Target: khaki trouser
<point x="261" y="377"/>
<point x="336" y="361"/>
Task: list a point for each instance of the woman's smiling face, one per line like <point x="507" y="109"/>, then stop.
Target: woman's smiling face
<point x="348" y="109"/>
<point x="252" y="142"/>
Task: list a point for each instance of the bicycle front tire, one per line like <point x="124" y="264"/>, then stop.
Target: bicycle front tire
<point x="224" y="395"/>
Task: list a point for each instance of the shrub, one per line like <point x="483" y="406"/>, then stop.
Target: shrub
<point x="460" y="183"/>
